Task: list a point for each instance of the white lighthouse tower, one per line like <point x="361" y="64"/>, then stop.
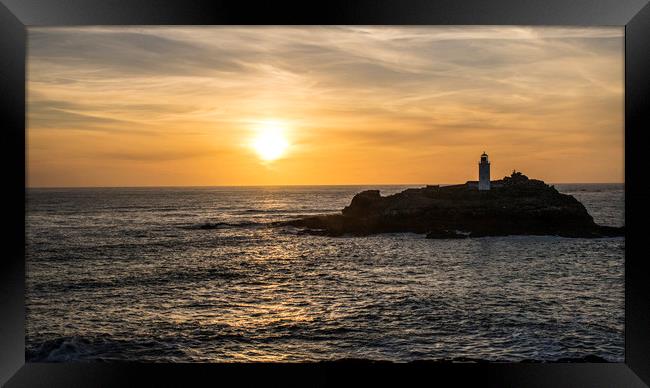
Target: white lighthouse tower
<point x="484" y="173"/>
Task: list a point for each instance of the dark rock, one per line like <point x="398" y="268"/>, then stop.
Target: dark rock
<point x="516" y="205"/>
<point x="446" y="234"/>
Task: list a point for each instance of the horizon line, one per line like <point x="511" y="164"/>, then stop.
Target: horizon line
<point x="294" y="185"/>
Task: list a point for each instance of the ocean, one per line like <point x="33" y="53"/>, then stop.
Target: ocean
<point x="197" y="275"/>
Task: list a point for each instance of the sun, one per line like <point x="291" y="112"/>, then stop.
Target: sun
<point x="270" y="143"/>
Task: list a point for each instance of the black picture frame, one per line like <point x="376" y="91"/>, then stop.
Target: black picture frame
<point x="16" y="15"/>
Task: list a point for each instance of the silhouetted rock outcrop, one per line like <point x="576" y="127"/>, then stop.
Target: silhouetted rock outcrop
<point x="515" y="205"/>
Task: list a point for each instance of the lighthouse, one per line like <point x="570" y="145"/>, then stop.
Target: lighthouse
<point x="484" y="173"/>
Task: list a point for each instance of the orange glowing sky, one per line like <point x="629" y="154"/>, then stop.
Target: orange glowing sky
<point x="182" y="106"/>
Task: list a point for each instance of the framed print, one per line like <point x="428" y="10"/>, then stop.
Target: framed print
<point x="360" y="192"/>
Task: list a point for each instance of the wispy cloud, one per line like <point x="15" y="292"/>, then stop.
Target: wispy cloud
<point x="341" y="90"/>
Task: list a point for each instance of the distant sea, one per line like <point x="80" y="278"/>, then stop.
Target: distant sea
<point x="197" y="275"/>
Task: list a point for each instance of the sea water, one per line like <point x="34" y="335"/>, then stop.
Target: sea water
<point x="198" y="275"/>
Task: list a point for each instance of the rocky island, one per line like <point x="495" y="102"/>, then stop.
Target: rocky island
<point x="515" y="205"/>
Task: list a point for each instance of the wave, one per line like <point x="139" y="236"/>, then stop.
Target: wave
<point x="225" y="225"/>
<point x="297" y="211"/>
<point x="77" y="348"/>
<point x="102" y="348"/>
<point x="591" y="358"/>
<point x="64" y="349"/>
<point x="139" y="280"/>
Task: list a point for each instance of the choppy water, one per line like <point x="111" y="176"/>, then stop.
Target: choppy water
<point x="128" y="274"/>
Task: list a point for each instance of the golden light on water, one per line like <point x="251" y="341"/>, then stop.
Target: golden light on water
<point x="270" y="142"/>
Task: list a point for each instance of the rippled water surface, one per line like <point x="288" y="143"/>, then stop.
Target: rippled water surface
<point x="195" y="274"/>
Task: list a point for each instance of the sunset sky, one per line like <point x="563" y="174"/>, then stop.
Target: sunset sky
<point x="181" y="106"/>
